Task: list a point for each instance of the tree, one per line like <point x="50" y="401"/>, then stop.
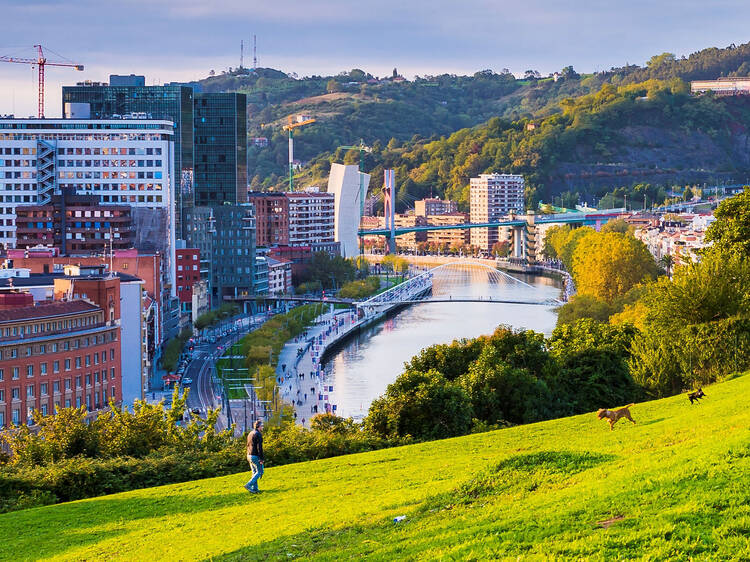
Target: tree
<point x="617" y="225"/>
<point x="450" y="360"/>
<point x="714" y="288"/>
<point x="584" y="306"/>
<point x="730" y="233"/>
<point x="687" y="195"/>
<point x="667" y="262"/>
<point x="333" y="86"/>
<point x="609" y="265"/>
<point x="501" y="249"/>
<point x="422" y="405"/>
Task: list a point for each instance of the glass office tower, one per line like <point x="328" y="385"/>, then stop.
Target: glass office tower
<point x="174" y="103"/>
<point x="220" y="149"/>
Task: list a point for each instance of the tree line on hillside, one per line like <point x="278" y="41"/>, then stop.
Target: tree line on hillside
<point x="589" y="129"/>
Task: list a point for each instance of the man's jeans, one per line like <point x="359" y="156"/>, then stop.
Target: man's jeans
<point x="257" y="469"/>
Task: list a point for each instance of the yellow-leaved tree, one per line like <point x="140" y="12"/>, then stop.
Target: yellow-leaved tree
<point x="607" y="265"/>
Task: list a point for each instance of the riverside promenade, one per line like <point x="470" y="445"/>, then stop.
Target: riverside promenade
<point x="299" y="374"/>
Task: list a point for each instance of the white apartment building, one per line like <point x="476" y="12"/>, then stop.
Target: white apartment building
<point x="311" y="218"/>
<point x="491" y="198"/>
<point x="279" y="277"/>
<point x="434" y="206"/>
<point x="123" y="161"/>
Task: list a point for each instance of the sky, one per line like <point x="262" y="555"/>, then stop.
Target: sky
<point x="171" y="40"/>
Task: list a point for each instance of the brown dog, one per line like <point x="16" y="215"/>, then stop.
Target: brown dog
<point x="613" y="415"/>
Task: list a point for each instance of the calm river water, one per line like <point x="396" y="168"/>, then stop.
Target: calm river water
<point x="367" y="363"/>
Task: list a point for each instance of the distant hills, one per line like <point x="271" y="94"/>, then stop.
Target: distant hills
<point x="650" y="142"/>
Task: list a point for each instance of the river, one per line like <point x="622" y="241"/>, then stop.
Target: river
<point x="362" y="368"/>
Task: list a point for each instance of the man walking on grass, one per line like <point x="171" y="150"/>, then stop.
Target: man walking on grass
<point x="255" y="456"/>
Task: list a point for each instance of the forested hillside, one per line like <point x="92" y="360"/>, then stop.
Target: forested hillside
<point x="618" y="141"/>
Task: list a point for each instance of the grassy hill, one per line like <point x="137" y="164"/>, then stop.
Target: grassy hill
<point x="675" y="486"/>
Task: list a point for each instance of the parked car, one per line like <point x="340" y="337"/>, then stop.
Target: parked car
<point x="187" y="381"/>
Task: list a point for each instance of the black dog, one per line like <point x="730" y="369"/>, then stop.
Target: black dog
<point x="695" y="396"/>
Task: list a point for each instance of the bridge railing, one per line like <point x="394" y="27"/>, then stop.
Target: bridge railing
<point x="403" y="291"/>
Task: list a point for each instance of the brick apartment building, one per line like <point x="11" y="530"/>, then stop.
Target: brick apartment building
<point x="76" y="224"/>
<point x="62" y="353"/>
<point x="188" y="274"/>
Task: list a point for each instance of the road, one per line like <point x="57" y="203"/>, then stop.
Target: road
<point x="201" y="369"/>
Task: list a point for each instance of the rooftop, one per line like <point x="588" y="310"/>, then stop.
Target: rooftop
<point x="47" y="310"/>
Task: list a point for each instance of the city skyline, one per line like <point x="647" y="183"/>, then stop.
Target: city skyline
<point x="182" y="41"/>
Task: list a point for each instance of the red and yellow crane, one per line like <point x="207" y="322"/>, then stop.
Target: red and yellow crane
<point x="290" y="126"/>
<point x="40" y="61"/>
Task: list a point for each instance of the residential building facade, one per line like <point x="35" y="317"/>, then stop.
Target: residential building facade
<point x="188" y="274"/>
<point x="434" y="206"/>
<point x="492" y="197"/>
<point x="75" y="224"/>
<point x="57" y="354"/>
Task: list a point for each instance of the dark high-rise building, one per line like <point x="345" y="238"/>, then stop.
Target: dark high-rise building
<point x="220" y="149"/>
<point x="174" y="103"/>
<point x="225" y="236"/>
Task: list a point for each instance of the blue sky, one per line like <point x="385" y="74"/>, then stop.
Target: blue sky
<point x="182" y="40"/>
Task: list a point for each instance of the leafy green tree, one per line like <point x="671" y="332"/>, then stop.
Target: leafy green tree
<point x="609" y="265"/>
<point x="584" y="306"/>
<point x="450" y="360"/>
<point x="422" y="405"/>
<point x="715" y="288"/>
<point x="595" y="378"/>
<point x="617" y="225"/>
<point x="502" y="392"/>
<point x="586" y="335"/>
<point x="730" y="233"/>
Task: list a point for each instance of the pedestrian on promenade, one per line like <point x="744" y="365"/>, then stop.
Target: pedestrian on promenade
<point x="255" y="456"/>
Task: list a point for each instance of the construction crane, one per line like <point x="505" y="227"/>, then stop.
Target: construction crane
<point x="362" y="149"/>
<point x="290" y="128"/>
<point x="40" y="61"/>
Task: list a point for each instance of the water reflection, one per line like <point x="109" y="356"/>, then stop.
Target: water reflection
<point x="362" y="369"/>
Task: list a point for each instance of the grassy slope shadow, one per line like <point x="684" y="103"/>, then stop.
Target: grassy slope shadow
<point x="518" y="475"/>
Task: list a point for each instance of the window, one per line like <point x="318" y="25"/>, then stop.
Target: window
<point x="78" y="382"/>
<point x="28" y="351"/>
<point x="29" y="371"/>
<point x="88" y="402"/>
<point x="15" y="373"/>
<point x="55" y="366"/>
<point x="112" y="354"/>
<point x="30" y="391"/>
<point x="44" y="409"/>
<point x="78" y="401"/>
<point x="67" y="364"/>
<point x="16" y="416"/>
<point x="15" y="393"/>
<point x="112" y="392"/>
<point x="2" y="419"/>
<point x="2" y="395"/>
<point x="43" y="389"/>
<point x="78" y="362"/>
<point x="42" y="349"/>
<point x="56" y="386"/>
<point x="43" y="368"/>
<point x="67" y="384"/>
<point x="2" y="375"/>
<point x="88" y="380"/>
<point x="67" y="402"/>
<point x="13" y="353"/>
<point x="54" y="348"/>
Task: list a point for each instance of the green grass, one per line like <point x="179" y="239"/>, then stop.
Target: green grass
<point x="676" y="486"/>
